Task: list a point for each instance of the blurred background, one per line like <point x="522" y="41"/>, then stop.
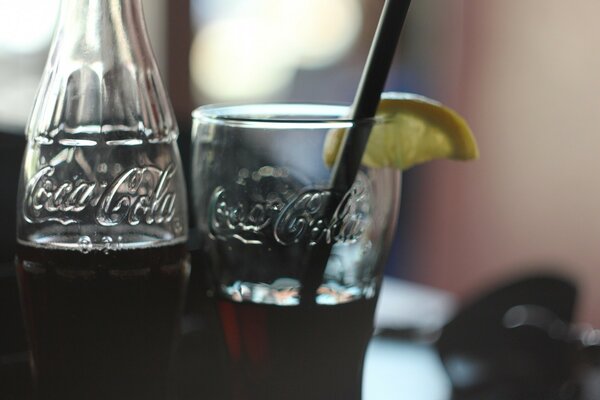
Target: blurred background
<point x="526" y="77"/>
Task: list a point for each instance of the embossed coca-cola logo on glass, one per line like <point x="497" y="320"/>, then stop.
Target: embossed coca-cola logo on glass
<point x="286" y="218"/>
<point x="138" y="195"/>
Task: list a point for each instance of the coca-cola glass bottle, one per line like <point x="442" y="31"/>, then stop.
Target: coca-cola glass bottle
<point x="102" y="214"/>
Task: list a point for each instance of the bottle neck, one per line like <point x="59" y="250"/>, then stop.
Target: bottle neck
<point x="101" y="76"/>
<point x="101" y="28"/>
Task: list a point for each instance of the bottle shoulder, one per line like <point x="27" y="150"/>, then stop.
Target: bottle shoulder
<point x="101" y="76"/>
<point x="125" y="102"/>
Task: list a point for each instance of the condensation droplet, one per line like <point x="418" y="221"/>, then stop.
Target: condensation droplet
<point x="266" y="171"/>
<point x="367" y="247"/>
<point x="177" y="227"/>
<point x="243" y="173"/>
<point x="85" y="244"/>
<point x="106" y="244"/>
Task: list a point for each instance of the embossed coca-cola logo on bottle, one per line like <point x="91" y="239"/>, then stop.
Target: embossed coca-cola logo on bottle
<point x="238" y="212"/>
<point x="138" y="195"/>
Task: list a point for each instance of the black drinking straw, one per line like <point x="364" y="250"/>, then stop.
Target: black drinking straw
<point x="355" y="140"/>
<point x="368" y="94"/>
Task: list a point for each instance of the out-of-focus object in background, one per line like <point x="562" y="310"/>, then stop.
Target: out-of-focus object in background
<point x="530" y="87"/>
<point x="508" y="343"/>
<point x="26" y="25"/>
<point x="252" y="50"/>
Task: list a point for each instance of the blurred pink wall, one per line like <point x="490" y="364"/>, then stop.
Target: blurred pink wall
<point x="530" y="87"/>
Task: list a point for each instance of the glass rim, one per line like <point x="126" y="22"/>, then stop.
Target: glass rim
<point x="279" y="115"/>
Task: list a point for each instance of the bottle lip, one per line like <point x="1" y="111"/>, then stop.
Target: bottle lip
<point x="278" y="115"/>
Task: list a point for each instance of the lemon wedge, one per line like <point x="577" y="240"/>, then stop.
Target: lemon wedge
<point x="415" y="129"/>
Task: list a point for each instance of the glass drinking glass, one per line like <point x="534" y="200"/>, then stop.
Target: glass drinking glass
<point x="296" y="268"/>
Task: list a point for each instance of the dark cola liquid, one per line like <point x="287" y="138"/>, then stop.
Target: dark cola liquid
<point x="102" y="325"/>
<point x="308" y="352"/>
